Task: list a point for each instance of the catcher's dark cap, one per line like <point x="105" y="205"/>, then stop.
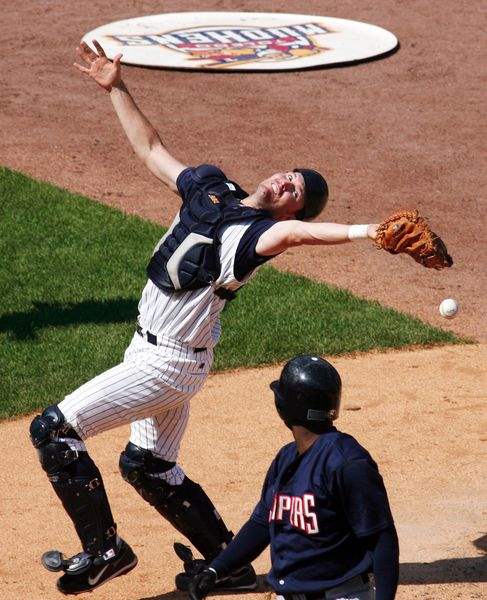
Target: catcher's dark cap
<point x="316" y="194"/>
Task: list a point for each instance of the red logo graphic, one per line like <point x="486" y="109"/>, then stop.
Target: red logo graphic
<point x="224" y="46"/>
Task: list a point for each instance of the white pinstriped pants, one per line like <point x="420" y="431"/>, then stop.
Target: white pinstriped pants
<point x="150" y="389"/>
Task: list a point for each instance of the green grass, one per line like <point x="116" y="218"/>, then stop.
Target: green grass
<point x="279" y="315"/>
<point x="71" y="272"/>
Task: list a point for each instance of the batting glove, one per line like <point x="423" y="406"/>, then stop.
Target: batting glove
<point x="202" y="583"/>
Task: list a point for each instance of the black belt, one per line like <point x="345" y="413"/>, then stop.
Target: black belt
<point x="152" y="339"/>
<point x="225" y="294"/>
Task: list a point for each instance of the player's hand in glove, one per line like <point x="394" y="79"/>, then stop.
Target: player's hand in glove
<point x="408" y="232"/>
<point x="202" y="583"/>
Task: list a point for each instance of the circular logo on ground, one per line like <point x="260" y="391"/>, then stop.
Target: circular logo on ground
<point x="240" y="41"/>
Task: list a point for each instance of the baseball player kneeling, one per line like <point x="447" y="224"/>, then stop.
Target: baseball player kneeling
<point x="323" y="509"/>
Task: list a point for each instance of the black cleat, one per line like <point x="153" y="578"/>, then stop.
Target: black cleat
<point x="183" y="552"/>
<point x="243" y="579"/>
<point x="55" y="561"/>
<point x="192" y="566"/>
<point x="92" y="572"/>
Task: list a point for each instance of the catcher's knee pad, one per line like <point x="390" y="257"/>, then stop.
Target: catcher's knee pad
<point x="185" y="506"/>
<point x="57" y="443"/>
<point x="75" y="479"/>
<point x="148" y="473"/>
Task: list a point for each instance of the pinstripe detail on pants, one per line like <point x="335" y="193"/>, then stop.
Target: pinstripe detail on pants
<point x="150" y="389"/>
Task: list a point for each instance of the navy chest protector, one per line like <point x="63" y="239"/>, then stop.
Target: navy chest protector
<point x="187" y="257"/>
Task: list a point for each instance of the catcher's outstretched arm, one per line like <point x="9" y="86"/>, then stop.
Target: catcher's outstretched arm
<point x="287" y="234"/>
<point x="144" y="138"/>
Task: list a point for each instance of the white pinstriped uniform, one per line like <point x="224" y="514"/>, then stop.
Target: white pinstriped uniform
<point x="152" y="387"/>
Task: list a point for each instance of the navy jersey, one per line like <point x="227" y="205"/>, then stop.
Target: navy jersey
<point x="246" y="258"/>
<point x="318" y="506"/>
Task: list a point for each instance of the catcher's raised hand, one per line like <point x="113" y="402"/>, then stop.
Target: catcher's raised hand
<point x="105" y="72"/>
<point x="408" y="232"/>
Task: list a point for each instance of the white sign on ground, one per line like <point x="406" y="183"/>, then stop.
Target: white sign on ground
<point x="240" y="41"/>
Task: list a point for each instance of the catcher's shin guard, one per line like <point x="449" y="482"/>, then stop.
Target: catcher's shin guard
<point x="185" y="506"/>
<point x="75" y="479"/>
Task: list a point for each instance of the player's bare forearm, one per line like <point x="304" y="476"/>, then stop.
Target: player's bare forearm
<point x="288" y="234"/>
<point x="139" y="131"/>
<point x="144" y="138"/>
<point x="327" y="233"/>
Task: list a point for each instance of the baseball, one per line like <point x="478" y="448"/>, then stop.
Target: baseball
<point x="448" y="308"/>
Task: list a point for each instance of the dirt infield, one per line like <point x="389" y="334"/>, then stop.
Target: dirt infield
<point x="401" y="132"/>
<point x="420" y="416"/>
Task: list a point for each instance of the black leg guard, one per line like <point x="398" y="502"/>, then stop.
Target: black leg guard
<point x="185" y="506"/>
<point x="75" y="479"/>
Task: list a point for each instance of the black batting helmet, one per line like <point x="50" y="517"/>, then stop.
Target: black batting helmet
<point x="308" y="393"/>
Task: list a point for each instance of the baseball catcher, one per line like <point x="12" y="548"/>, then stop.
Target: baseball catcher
<point x="220" y="236"/>
<point x="407" y="231"/>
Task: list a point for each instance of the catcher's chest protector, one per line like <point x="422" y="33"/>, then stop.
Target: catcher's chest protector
<point x="187" y="257"/>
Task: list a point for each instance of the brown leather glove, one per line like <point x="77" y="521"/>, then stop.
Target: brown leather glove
<point x="407" y="231"/>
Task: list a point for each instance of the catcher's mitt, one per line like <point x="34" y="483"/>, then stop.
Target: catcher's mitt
<point x="407" y="231"/>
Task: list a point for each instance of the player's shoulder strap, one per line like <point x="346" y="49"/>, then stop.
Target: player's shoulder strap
<point x="211" y="179"/>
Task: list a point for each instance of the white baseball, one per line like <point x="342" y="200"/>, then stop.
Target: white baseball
<point x="448" y="308"/>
